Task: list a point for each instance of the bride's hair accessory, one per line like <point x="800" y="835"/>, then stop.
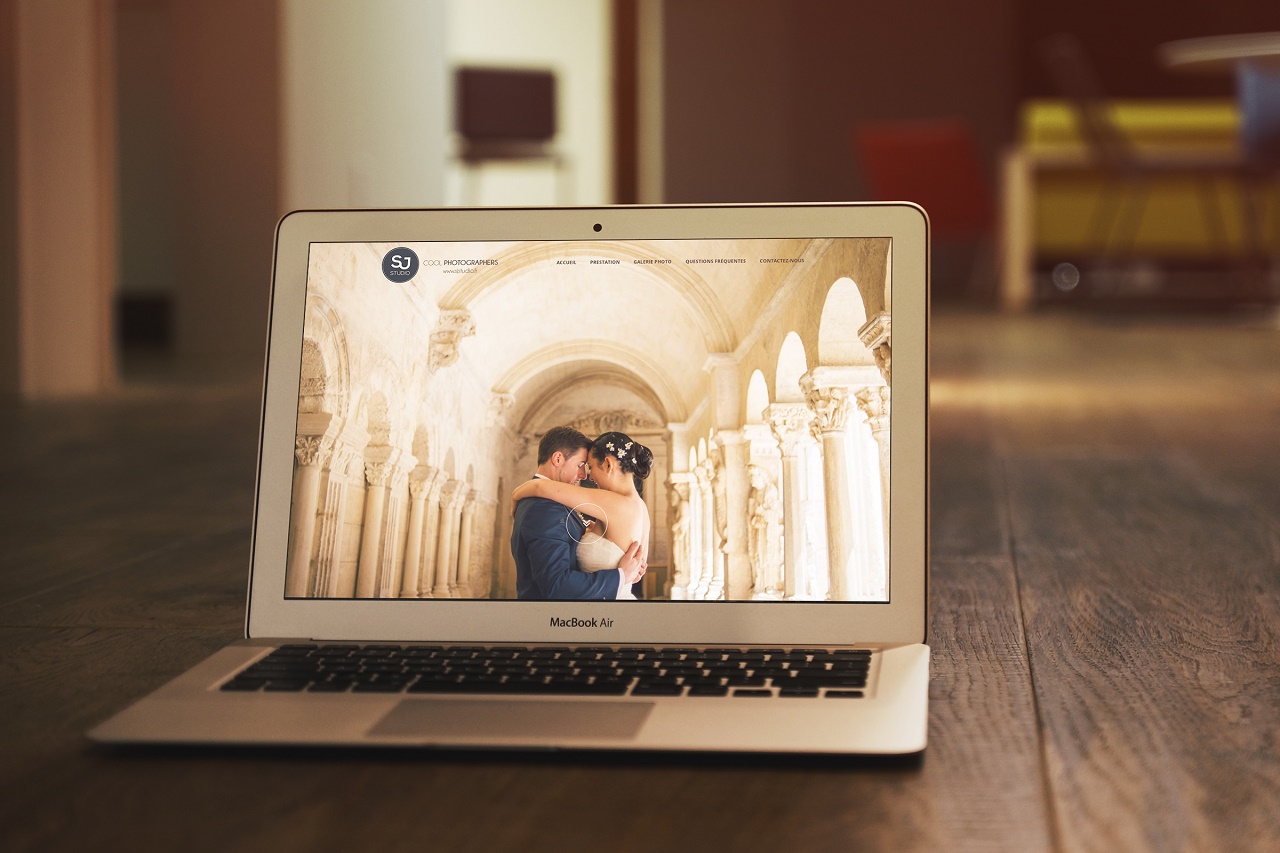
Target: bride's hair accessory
<point x="634" y="457"/>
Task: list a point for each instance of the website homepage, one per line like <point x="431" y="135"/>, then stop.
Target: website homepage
<point x="597" y="420"/>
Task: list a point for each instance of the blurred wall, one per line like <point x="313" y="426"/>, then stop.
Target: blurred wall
<point x="363" y="103"/>
<point x="761" y="96"/>
<point x="1123" y="45"/>
<point x="146" y="103"/>
<point x="225" y="62"/>
<point x="8" y="200"/>
<point x="63" y="195"/>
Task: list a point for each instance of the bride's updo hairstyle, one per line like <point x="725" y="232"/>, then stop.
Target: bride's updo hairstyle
<point x="634" y="457"/>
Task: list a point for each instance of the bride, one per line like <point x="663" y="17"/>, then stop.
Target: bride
<point x="618" y="515"/>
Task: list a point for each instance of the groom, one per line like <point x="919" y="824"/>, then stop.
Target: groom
<point x="545" y="535"/>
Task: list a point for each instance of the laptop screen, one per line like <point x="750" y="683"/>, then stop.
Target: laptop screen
<point x="506" y="421"/>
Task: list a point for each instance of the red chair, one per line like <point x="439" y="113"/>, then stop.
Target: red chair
<point x="934" y="163"/>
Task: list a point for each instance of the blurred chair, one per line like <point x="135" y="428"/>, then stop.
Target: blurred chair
<point x="1129" y="171"/>
<point x="935" y="164"/>
<point x="508" y="115"/>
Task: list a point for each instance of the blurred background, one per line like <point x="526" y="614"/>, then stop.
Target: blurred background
<point x="1070" y="155"/>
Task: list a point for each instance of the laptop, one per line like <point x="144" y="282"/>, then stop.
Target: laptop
<point x="738" y="390"/>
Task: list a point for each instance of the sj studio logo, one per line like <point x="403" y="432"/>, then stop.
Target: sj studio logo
<point x="400" y="264"/>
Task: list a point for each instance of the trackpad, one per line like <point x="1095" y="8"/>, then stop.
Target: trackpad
<point x="466" y="719"/>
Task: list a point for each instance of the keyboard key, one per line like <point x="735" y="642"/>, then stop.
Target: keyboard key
<point x="844" y="694"/>
<point x="743" y="691"/>
<point x="380" y="687"/>
<point x="330" y="687"/>
<point x="288" y="685"/>
<point x="708" y="690"/>
<point x="656" y="688"/>
<point x="797" y="691"/>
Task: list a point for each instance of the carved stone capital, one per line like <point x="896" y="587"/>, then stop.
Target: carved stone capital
<point x="790" y="425"/>
<point x="312" y="449"/>
<point x="876" y="335"/>
<point x="875" y="403"/>
<point x="422" y="480"/>
<point x="380" y="473"/>
<point x="451" y="328"/>
<point x="381" y="465"/>
<point x="876" y="331"/>
<point x="452" y="492"/>
<point x="832" y="407"/>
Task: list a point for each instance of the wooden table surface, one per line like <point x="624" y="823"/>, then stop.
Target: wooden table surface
<point x="1105" y="608"/>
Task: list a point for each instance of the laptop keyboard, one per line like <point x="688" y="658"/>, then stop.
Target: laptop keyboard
<point x="558" y="670"/>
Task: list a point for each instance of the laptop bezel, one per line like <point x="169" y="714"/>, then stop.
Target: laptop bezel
<point x="901" y="620"/>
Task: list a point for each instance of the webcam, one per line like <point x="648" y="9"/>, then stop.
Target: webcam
<point x="597" y="227"/>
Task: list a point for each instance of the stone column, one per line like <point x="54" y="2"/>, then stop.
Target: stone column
<point x="706" y="544"/>
<point x="737" y="492"/>
<point x="379" y="472"/>
<point x="331" y="523"/>
<point x="681" y="529"/>
<point x="447" y="540"/>
<point x="874" y="402"/>
<point x="430" y="531"/>
<point x="418" y="483"/>
<point x="312" y="453"/>
<point x="463" y="587"/>
<point x="833" y="406"/>
<point x="393" y="544"/>
<point x="790" y="425"/>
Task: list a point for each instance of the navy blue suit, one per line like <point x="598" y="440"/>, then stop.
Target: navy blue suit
<point x="547" y="556"/>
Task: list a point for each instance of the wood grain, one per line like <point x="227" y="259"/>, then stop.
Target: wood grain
<point x="1152" y="617"/>
<point x="1103" y="621"/>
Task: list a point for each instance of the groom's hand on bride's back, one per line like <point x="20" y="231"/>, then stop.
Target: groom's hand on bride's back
<point x="632" y="565"/>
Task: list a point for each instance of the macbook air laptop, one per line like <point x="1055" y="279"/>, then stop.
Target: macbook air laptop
<point x="635" y="478"/>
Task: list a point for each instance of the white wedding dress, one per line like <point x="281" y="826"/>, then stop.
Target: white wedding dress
<point x="598" y="554"/>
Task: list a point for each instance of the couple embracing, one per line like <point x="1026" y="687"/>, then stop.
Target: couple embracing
<point x="575" y="542"/>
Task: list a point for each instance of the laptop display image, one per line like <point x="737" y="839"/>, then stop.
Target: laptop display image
<point x="584" y="478"/>
<point x="432" y="372"/>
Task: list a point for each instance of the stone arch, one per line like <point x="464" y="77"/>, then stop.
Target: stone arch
<point x="843" y="314"/>
<point x="384" y="389"/>
<point x="313" y="380"/>
<point x="693" y="458"/>
<point x="702" y="450"/>
<point x="450" y="464"/>
<point x="757" y="397"/>
<point x="792" y="364"/>
<point x="620" y="355"/>
<point x="538" y="395"/>
<point x="329" y="354"/>
<point x="713" y="322"/>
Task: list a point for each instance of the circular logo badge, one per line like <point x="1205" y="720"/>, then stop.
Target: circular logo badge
<point x="590" y="516"/>
<point x="400" y="264"/>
